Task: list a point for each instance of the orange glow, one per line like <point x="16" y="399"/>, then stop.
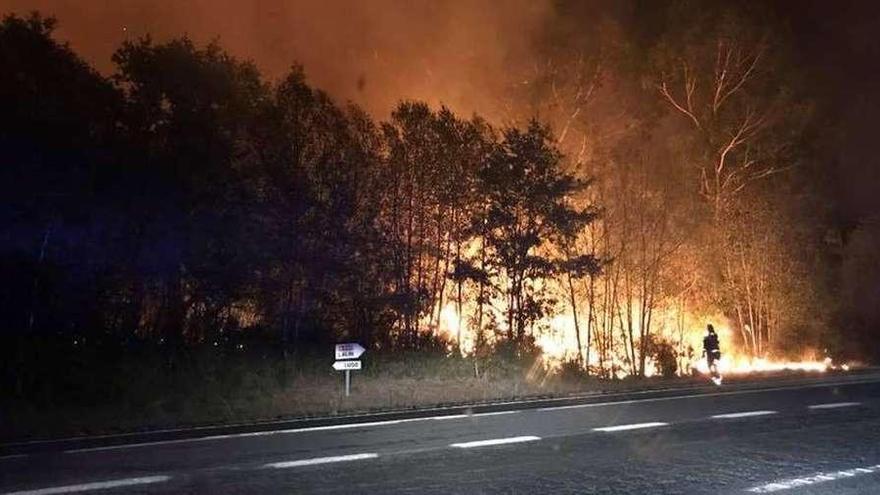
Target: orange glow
<point x="741" y="365"/>
<point x="557" y="338"/>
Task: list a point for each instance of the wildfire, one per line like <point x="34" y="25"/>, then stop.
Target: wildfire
<point x="745" y="365"/>
<point x="558" y="341"/>
<point x="453" y="328"/>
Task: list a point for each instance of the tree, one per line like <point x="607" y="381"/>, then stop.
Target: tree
<point x="727" y="80"/>
<point x="525" y="206"/>
<point x="188" y="110"/>
<point x="57" y="133"/>
<point x="55" y="129"/>
<point x="732" y="86"/>
<point x="430" y="170"/>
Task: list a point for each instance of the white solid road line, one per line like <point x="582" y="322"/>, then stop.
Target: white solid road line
<point x="834" y="405"/>
<point x="234" y="435"/>
<point x="13" y="456"/>
<point x="344" y="426"/>
<point x="320" y="460"/>
<point x="634" y="426"/>
<point x="778" y="486"/>
<point x="98" y="485"/>
<point x="698" y="396"/>
<point x="494" y="441"/>
<point x="745" y="414"/>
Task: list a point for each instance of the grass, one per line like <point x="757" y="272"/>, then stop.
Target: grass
<point x="209" y="390"/>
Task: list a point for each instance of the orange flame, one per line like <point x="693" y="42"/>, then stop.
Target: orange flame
<point x="558" y="342"/>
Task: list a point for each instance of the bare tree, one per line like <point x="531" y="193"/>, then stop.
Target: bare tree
<point x="732" y="112"/>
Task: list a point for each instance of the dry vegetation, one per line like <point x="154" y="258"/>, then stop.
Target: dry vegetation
<point x="247" y="393"/>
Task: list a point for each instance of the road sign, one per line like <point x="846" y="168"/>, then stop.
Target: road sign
<point x="351" y="350"/>
<point x="348" y="352"/>
<point x="346" y="365"/>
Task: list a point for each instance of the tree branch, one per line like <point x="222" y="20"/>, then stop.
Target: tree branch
<point x="746" y="75"/>
<point x="664" y="90"/>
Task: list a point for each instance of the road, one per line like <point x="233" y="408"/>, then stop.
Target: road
<point x="792" y="438"/>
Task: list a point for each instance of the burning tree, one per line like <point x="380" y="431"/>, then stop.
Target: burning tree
<point x="525" y="207"/>
<point x="430" y="174"/>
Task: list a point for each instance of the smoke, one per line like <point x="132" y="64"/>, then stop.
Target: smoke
<point x="457" y="52"/>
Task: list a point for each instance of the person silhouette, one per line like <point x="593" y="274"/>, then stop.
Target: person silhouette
<point x="712" y="350"/>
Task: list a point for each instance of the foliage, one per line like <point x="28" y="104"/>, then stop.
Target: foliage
<point x="525" y="205"/>
<point x="664" y="355"/>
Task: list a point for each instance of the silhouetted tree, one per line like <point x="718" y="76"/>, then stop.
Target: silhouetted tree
<point x="524" y="193"/>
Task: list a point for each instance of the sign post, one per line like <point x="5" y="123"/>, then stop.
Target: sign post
<point x="346" y="360"/>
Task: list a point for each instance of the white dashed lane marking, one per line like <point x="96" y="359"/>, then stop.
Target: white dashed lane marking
<point x="834" y="405"/>
<point x="634" y="426"/>
<point x="494" y="441"/>
<point x="778" y="486"/>
<point x="497" y="413"/>
<point x="320" y="460"/>
<point x="98" y="485"/>
<point x="745" y="414"/>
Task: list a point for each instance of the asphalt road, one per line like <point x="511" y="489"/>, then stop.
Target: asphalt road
<point x="790" y="438"/>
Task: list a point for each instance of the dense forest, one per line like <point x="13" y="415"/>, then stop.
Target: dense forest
<point x="643" y="184"/>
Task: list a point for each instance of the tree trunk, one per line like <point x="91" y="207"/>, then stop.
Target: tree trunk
<point x="591" y="300"/>
<point x="574" y="313"/>
<point x="36" y="285"/>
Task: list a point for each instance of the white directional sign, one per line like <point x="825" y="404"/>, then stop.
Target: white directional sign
<point x="347" y="365"/>
<point x="352" y="350"/>
<point x="348" y="353"/>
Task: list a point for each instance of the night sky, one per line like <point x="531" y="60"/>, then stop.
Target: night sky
<point x="839" y="46"/>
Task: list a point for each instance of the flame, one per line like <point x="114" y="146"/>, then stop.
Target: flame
<point x="740" y="365"/>
<point x="558" y="341"/>
<point x="449" y="321"/>
<point x="452" y="327"/>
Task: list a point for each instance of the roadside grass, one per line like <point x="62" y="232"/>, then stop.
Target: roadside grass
<point x="205" y="389"/>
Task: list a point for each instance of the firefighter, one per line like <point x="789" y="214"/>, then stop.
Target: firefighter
<point x="711" y="349"/>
